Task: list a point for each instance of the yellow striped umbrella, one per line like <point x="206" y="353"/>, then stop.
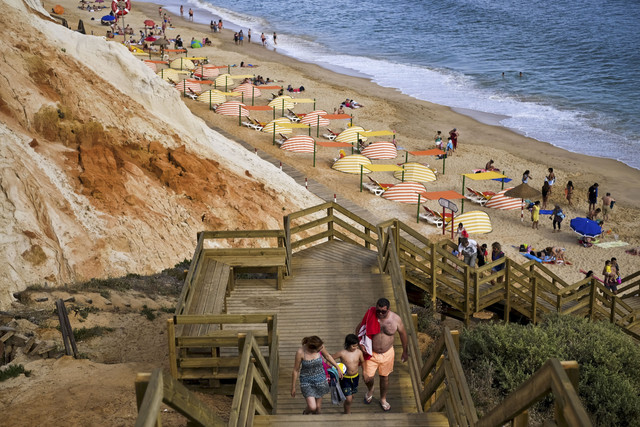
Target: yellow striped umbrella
<point x="299" y="144"/>
<point x="223" y="81"/>
<point x="182" y="64"/>
<point x="381" y="150"/>
<point x="232" y="108"/>
<point x="500" y="201"/>
<point x="351" y="164"/>
<point x="269" y="127"/>
<point x="185" y="85"/>
<point x="212" y="97"/>
<point x="416" y="172"/>
<point x="351" y="135"/>
<point x="167" y="74"/>
<point x="281" y="102"/>
<point x="475" y="222"/>
<point x="315" y="118"/>
<point x="405" y="192"/>
<point x="206" y="72"/>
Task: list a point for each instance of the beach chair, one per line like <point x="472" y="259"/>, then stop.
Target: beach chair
<point x="282" y="139"/>
<point x="253" y="124"/>
<point x="435" y="218"/>
<point x="331" y="135"/>
<point x="293" y="116"/>
<point x="376" y="187"/>
<point x="191" y="94"/>
<point x="478" y="197"/>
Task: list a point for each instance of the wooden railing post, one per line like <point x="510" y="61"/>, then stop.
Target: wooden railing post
<point x="467" y="295"/>
<point x="173" y="357"/>
<point x="367" y="233"/>
<point x="572" y="369"/>
<point x="434" y="273"/>
<point x="612" y="317"/>
<point x="592" y="299"/>
<point x="330" y="223"/>
<point x="476" y="291"/>
<point x="534" y="300"/>
<point x="507" y="290"/>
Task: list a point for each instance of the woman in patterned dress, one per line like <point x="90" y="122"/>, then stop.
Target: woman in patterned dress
<point x="313" y="378"/>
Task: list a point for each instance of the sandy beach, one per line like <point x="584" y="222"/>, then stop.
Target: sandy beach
<point x="415" y="123"/>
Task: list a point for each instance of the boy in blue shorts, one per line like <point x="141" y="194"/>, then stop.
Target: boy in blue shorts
<point x="352" y="358"/>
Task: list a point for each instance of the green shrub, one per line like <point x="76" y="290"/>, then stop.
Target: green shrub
<point x="84" y="334"/>
<point x="148" y="312"/>
<point x="12" y="372"/>
<point x="506" y="355"/>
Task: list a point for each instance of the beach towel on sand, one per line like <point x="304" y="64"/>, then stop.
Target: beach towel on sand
<point x="368" y="328"/>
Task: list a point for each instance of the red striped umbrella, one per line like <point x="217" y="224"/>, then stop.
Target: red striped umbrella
<point x="380" y="150"/>
<point x="248" y="90"/>
<point x="150" y="39"/>
<point x="151" y="65"/>
<point x="500" y="201"/>
<point x="206" y="72"/>
<point x="315" y="118"/>
<point x="232" y="108"/>
<point x="299" y="144"/>
<point x="405" y="192"/>
<point x="185" y="85"/>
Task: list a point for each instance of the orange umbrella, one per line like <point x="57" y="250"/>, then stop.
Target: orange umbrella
<point x="57" y="9"/>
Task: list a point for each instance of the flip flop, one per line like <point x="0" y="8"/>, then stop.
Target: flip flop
<point x="367" y="399"/>
<point x="385" y="406"/>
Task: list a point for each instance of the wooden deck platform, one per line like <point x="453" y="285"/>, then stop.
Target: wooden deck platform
<point x="328" y="292"/>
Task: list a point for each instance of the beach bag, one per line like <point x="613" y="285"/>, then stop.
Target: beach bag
<point x="523" y="248"/>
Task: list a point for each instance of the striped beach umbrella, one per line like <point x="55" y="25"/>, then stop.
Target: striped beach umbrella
<point x="315" y="118"/>
<point x="475" y="222"/>
<point x="182" y="64"/>
<point x="500" y="201"/>
<point x="169" y="74"/>
<point x="281" y="102"/>
<point x="351" y="135"/>
<point x="212" y="97"/>
<point x="351" y="164"/>
<point x="248" y="90"/>
<point x="381" y="150"/>
<point x="151" y="65"/>
<point x="299" y="144"/>
<point x="185" y="85"/>
<point x="416" y="172"/>
<point x="223" y="82"/>
<point x="269" y="127"/>
<point x="405" y="192"/>
<point x="232" y="108"/>
<point x="206" y="72"/>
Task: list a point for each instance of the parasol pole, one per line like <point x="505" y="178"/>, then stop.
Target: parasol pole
<point x="317" y="127"/>
<point x="444" y="157"/>
<point x="314" y="153"/>
<point x="463" y="178"/>
<point x="444" y="219"/>
<point x="406" y="156"/>
<point x="240" y="115"/>
<point x="522" y="210"/>
<point x="418" y="212"/>
<point x="253" y="95"/>
<point x="361" y="173"/>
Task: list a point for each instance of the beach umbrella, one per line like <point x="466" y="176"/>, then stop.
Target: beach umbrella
<point x="151" y="65"/>
<point x="196" y="44"/>
<point x="500" y="201"/>
<point x="160" y="42"/>
<point x="212" y="97"/>
<point x="416" y="172"/>
<point x="106" y="19"/>
<point x="351" y="135"/>
<point x="206" y="72"/>
<point x="58" y="9"/>
<point x="299" y="144"/>
<point x="351" y="164"/>
<point x="232" y="108"/>
<point x="182" y="64"/>
<point x="475" y="222"/>
<point x="248" y="90"/>
<point x="274" y="126"/>
<point x="522" y="191"/>
<point x="585" y="227"/>
<point x="185" y="85"/>
<point x="315" y="118"/>
<point x="282" y="102"/>
<point x="169" y="74"/>
<point x="150" y="39"/>
<point x="405" y="192"/>
<point x="149" y="23"/>
<point x="381" y="150"/>
<point x="223" y="81"/>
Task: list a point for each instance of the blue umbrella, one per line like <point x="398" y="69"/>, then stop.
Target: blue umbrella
<point x="108" y="18"/>
<point x="586" y="227"/>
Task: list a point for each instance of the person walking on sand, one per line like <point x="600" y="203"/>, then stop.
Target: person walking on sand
<point x="264" y="40"/>
<point x="449" y="149"/>
<point x="313" y="379"/>
<point x="550" y="179"/>
<point x="546" y="190"/>
<point x="376" y="334"/>
<point x="557" y="216"/>
<point x="275" y="37"/>
<point x="352" y="358"/>
<point x="526" y="176"/>
<point x="249" y="36"/>
<point x="607" y="205"/>
<point x="438" y="139"/>
<point x="220" y="25"/>
<point x="453" y="135"/>
<point x="181" y="10"/>
<point x="592" y="195"/>
<point x="190" y="14"/>
<point x="535" y="215"/>
<point x="568" y="192"/>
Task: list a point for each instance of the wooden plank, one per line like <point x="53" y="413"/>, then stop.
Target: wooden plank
<point x="149" y="409"/>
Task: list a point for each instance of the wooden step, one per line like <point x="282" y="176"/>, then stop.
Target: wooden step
<point x="370" y="419"/>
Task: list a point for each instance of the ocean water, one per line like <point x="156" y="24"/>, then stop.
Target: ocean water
<point x="580" y="61"/>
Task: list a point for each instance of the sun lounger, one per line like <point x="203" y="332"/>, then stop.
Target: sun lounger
<point x="478" y="197"/>
<point x="253" y="124"/>
<point x="293" y="116"/>
<point x="376" y="187"/>
<point x="331" y="135"/>
<point x="434" y="217"/>
<point x="282" y="139"/>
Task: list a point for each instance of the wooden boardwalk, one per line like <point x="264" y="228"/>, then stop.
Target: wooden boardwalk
<point x="328" y="292"/>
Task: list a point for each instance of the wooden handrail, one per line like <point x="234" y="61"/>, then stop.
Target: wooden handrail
<point x="551" y="378"/>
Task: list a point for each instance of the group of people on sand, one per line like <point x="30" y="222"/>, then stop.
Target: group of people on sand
<point x="452" y="141"/>
<point x="371" y="346"/>
<point x="474" y="254"/>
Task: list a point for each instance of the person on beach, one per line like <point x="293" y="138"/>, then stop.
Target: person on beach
<point x="249" y="36"/>
<point x="220" y="25"/>
<point x="608" y="277"/>
<point x="489" y="167"/>
<point x="615" y="269"/>
<point x="453" y="135"/>
<point x="309" y="367"/>
<point x="607" y="205"/>
<point x="496" y="254"/>
<point x="461" y="232"/>
<point x="551" y="179"/>
<point x="241" y="37"/>
<point x="449" y="148"/>
<point x="535" y="215"/>
<point x="438" y="139"/>
<point x="557" y="216"/>
<point x="235" y="38"/>
<point x="592" y="196"/>
<point x="482" y="255"/>
<point x="546" y="190"/>
<point x="160" y="11"/>
<point x="526" y="176"/>
<point x="352" y="358"/>
<point x="341" y="110"/>
<point x="264" y="39"/>
<point x="593" y="215"/>
<point x="376" y="334"/>
<point x="190" y="14"/>
<point x="181" y="10"/>
<point x="568" y="192"/>
<point x="275" y="38"/>
<point x="212" y="25"/>
<point x="468" y="251"/>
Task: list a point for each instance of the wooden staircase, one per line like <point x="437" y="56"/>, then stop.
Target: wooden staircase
<point x="390" y="419"/>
